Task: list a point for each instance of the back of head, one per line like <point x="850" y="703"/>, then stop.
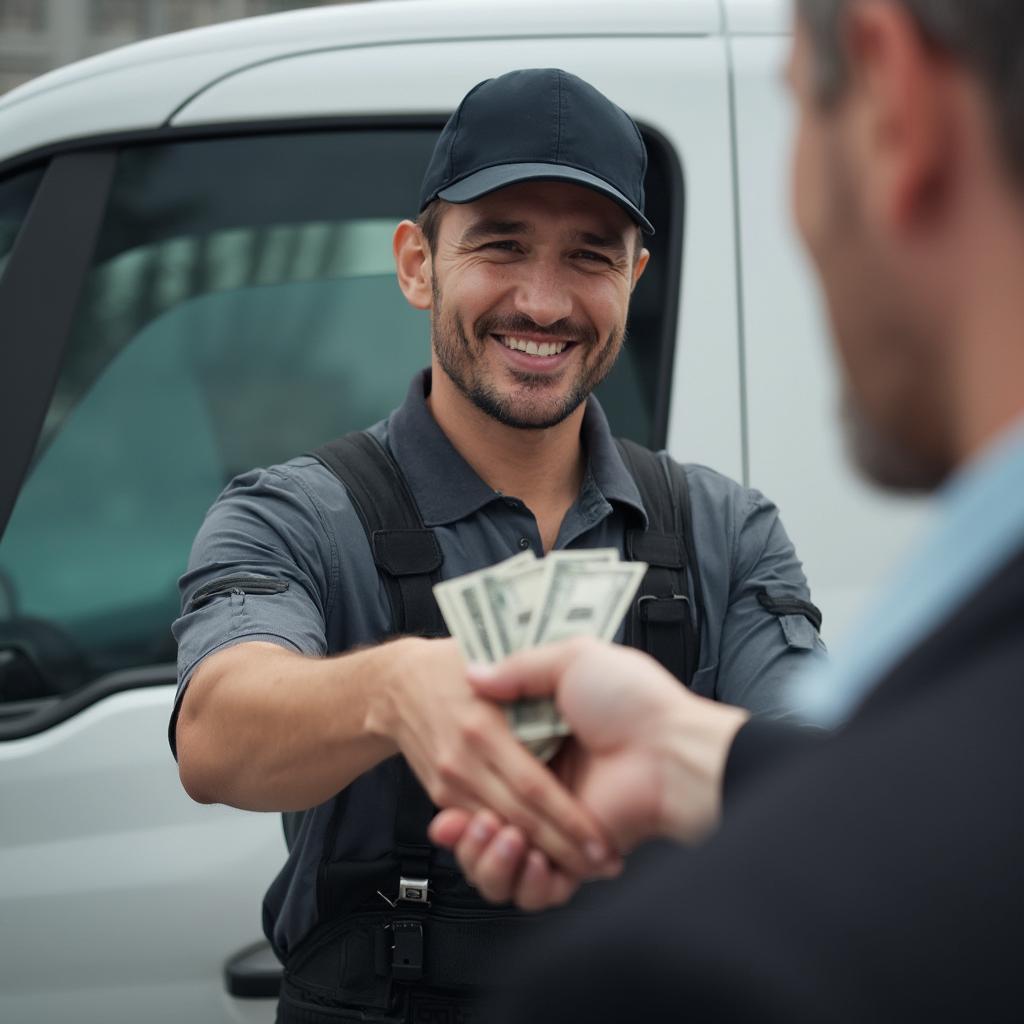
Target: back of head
<point x="986" y="36"/>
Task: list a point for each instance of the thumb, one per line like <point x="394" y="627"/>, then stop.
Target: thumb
<point x="537" y="672"/>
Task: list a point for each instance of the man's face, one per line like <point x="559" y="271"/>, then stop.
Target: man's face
<point x="884" y="336"/>
<point x="531" y="288"/>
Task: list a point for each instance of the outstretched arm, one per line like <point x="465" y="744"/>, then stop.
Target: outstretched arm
<point x="266" y="729"/>
<point x="268" y="720"/>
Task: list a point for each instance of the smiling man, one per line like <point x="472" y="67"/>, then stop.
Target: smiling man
<point x="294" y="694"/>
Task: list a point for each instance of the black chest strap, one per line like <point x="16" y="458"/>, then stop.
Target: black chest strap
<point x="408" y="559"/>
<point x="407" y="554"/>
<point x="667" y="615"/>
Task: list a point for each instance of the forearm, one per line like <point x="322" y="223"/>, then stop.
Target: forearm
<point x="263" y="728"/>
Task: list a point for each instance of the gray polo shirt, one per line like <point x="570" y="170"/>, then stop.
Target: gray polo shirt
<point x="282" y="557"/>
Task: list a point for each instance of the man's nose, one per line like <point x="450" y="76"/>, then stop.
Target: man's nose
<point x="543" y="296"/>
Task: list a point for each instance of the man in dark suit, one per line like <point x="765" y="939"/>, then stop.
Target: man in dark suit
<point x="873" y="872"/>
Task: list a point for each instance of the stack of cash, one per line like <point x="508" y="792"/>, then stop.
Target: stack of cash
<point x="526" y="601"/>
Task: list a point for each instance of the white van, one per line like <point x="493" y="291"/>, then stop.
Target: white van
<point x="194" y="252"/>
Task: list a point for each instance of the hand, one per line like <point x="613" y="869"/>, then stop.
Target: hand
<point x="497" y="860"/>
<point x="647" y="759"/>
<point x="461" y="749"/>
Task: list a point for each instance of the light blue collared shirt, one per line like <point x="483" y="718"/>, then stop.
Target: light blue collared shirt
<point x="979" y="524"/>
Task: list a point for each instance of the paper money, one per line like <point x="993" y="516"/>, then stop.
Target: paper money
<point x="526" y="601"/>
<point x="582" y="599"/>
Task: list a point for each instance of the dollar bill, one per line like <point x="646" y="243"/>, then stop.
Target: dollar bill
<point x="580" y="599"/>
<point x="450" y="612"/>
<point x="462" y="606"/>
<point x="536" y="718"/>
<point x="511" y="598"/>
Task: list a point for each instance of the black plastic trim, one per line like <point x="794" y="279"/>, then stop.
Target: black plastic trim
<point x="674" y="264"/>
<point x="253" y="973"/>
<point x="51" y="712"/>
<point x="226" y="129"/>
<point x="38" y="297"/>
<point x="787" y="605"/>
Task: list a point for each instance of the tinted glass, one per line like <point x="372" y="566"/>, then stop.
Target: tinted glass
<point x="16" y="195"/>
<point x="242" y="309"/>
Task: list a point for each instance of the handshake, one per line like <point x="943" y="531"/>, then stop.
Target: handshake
<point x="641" y="757"/>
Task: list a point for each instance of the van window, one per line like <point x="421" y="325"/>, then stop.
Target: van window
<point x="16" y="194"/>
<point x="242" y="309"/>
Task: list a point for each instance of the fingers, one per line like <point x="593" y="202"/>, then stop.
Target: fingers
<point x="540" y="886"/>
<point x="532" y="673"/>
<point x="497" y="860"/>
<point x="521" y="791"/>
<point x="447" y="827"/>
<point x="491" y="768"/>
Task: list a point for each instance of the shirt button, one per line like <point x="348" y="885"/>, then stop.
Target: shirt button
<point x="524" y="543"/>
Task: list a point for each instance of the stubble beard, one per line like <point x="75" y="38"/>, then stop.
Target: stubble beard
<point x="455" y="354"/>
<point x="882" y="460"/>
<point x="870" y="321"/>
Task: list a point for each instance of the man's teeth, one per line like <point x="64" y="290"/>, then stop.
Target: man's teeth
<point x="532" y="348"/>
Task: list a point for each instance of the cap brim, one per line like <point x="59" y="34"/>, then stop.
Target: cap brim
<point x="490" y="179"/>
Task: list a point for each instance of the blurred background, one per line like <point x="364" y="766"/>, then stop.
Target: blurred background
<point x="39" y="35"/>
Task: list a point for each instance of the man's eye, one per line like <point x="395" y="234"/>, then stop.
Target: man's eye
<point x="589" y="256"/>
<point x="505" y="245"/>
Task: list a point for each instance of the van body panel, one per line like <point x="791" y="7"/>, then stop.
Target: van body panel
<point x="847" y="532"/>
<point x="108" y="867"/>
<point x="758" y="17"/>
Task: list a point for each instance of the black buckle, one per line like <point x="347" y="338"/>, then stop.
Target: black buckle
<point x="407" y="950"/>
<point x="672" y="608"/>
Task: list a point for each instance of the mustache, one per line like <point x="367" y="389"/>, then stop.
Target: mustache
<point x="513" y="323"/>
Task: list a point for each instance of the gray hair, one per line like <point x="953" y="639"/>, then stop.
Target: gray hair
<point x="987" y="36"/>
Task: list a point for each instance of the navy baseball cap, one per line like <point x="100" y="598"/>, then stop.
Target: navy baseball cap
<point x="539" y="124"/>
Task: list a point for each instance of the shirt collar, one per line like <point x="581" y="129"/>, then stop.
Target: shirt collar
<point x="445" y="486"/>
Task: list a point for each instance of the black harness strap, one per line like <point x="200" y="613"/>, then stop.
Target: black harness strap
<point x="407" y="554"/>
<point x="408" y="559"/>
<point x="666" y="617"/>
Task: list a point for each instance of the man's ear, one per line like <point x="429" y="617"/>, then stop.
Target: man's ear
<point x="413" y="265"/>
<point x="639" y="266"/>
<point x="903" y="125"/>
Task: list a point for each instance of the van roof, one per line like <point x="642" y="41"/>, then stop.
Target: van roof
<point x="141" y="85"/>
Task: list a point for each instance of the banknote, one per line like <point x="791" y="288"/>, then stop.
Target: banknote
<point x="582" y="599"/>
<point x="511" y="598"/>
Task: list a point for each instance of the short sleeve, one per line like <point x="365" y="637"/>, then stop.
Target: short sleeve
<point x="261" y="568"/>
